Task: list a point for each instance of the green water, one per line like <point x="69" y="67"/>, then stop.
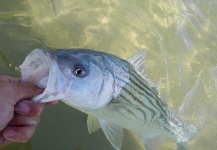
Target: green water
<point x="179" y="37"/>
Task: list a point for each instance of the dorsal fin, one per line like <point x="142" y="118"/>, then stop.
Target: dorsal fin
<point x="138" y="61"/>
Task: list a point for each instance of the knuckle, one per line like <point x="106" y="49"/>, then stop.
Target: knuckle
<point x="37" y="121"/>
<point x="31" y="131"/>
<point x="8" y="90"/>
<point x="25" y="133"/>
<point x="36" y="109"/>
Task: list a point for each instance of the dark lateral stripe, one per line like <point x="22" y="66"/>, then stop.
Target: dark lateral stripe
<point x="150" y="91"/>
<point x="131" y="71"/>
<point x="150" y="94"/>
<point x="135" y="75"/>
<point x="168" y="129"/>
<point x="158" y="107"/>
<point x="139" y="109"/>
<point x="157" y="99"/>
<point x="128" y="110"/>
<point x="144" y="114"/>
<point x="153" y="112"/>
<point x="120" y="63"/>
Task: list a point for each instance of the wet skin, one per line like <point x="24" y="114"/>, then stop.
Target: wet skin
<point x="19" y="116"/>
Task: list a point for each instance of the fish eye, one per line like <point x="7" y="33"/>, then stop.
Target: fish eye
<point x="79" y="71"/>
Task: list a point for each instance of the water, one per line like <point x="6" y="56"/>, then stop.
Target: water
<point x="179" y="37"/>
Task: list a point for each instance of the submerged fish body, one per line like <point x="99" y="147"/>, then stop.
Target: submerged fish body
<point x="113" y="92"/>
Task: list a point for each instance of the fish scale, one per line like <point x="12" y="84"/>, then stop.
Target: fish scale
<point x="113" y="92"/>
<point x="132" y="94"/>
<point x="143" y="95"/>
<point x="155" y="111"/>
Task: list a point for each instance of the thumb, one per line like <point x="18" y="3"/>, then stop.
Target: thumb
<point x="25" y="91"/>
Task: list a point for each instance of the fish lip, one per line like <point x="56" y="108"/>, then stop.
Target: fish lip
<point x="52" y="91"/>
<point x="29" y="66"/>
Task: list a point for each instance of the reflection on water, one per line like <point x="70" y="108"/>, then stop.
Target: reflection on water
<point x="10" y="65"/>
<point x="179" y="37"/>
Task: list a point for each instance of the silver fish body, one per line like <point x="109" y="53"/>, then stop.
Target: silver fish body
<point x="112" y="91"/>
<point x="139" y="108"/>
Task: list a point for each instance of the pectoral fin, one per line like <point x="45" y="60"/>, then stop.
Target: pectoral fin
<point x="113" y="133"/>
<point x="92" y="124"/>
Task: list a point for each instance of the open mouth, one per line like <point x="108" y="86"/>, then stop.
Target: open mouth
<point x="35" y="68"/>
<point x="42" y="70"/>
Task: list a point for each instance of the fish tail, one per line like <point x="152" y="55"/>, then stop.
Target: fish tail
<point x="199" y="104"/>
<point x="193" y="105"/>
<point x="190" y="133"/>
<point x="181" y="145"/>
<point x="199" y="107"/>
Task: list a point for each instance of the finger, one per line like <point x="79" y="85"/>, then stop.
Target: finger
<point x="18" y="134"/>
<point x="6" y="142"/>
<point x="20" y="120"/>
<point x="3" y="141"/>
<point x="29" y="108"/>
<point x="9" y="79"/>
<point x="24" y="90"/>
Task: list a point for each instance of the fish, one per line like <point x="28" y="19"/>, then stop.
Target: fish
<point x="116" y="94"/>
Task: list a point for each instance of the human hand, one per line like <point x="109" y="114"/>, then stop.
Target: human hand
<point x="18" y="115"/>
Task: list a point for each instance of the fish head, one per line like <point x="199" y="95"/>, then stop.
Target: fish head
<point x="80" y="79"/>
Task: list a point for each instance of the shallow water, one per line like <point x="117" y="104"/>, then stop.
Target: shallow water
<point x="179" y="38"/>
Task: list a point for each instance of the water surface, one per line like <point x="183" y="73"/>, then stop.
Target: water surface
<point x="179" y="37"/>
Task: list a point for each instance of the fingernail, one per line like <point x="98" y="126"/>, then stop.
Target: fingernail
<point x="22" y="108"/>
<point x="9" y="134"/>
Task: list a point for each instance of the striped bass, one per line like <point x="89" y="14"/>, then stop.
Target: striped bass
<point x="114" y="93"/>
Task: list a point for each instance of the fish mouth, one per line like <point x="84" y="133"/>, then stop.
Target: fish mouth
<point x="41" y="69"/>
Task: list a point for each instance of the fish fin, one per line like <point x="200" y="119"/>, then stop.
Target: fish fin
<point x="131" y="140"/>
<point x="157" y="85"/>
<point x="151" y="142"/>
<point x="113" y="133"/>
<point x="139" y="64"/>
<point x="92" y="124"/>
<point x="138" y="61"/>
<point x="195" y="103"/>
<point x="181" y="145"/>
